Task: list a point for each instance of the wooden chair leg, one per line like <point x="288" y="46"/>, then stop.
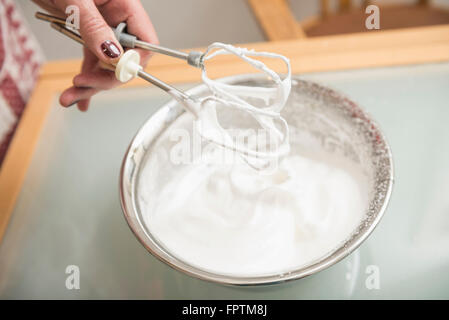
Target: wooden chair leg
<point x="344" y="5"/>
<point x="324" y="8"/>
<point x="276" y="19"/>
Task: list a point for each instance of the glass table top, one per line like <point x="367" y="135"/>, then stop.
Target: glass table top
<point x="68" y="211"/>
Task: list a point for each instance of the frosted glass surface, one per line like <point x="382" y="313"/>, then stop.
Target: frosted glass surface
<point x="68" y="211"/>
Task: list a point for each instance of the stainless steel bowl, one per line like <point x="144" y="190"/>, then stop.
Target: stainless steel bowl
<point x="337" y="123"/>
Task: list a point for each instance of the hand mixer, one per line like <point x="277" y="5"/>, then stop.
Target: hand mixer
<point x="230" y="96"/>
<point x="131" y="58"/>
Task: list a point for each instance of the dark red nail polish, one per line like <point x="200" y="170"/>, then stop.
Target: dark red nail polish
<point x="110" y="49"/>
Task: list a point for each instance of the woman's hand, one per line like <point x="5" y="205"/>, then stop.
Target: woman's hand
<point x="96" y="17"/>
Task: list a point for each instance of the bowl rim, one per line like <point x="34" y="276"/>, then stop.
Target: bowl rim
<point x="157" y="250"/>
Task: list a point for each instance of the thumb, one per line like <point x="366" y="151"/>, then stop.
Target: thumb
<point x="97" y="34"/>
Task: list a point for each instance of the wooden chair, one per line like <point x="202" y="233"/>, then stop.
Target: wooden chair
<point x="278" y="22"/>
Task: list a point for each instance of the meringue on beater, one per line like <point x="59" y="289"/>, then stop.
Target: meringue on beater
<point x="264" y="104"/>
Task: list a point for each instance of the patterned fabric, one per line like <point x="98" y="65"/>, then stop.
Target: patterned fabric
<point x="20" y="59"/>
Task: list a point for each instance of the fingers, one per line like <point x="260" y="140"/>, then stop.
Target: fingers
<point x="90" y="81"/>
<point x="140" y="25"/>
<point x="83" y="105"/>
<point x="100" y="79"/>
<point x="138" y="22"/>
<point x="102" y="44"/>
<point x="98" y="36"/>
<point x="74" y="95"/>
<point x="94" y="30"/>
<point x="93" y="76"/>
<point x="71" y="96"/>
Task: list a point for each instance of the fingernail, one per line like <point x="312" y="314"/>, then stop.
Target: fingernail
<point x="110" y="49"/>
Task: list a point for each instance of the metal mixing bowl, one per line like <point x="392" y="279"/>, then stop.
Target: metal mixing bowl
<point x="338" y="124"/>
